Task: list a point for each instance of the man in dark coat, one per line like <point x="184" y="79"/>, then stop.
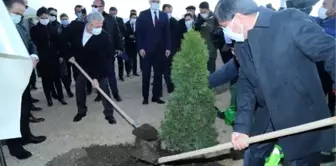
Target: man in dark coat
<point x="278" y="85"/>
<point x="111" y="27"/>
<point x="130" y="46"/>
<point x="46" y="39"/>
<point x="15" y="146"/>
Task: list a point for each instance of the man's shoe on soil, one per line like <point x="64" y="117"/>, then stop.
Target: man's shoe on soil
<point x="145" y="102"/>
<point x="158" y="100"/>
<point x="97" y="99"/>
<point x="20" y="153"/>
<point x="117" y="97"/>
<point x="34" y="100"/>
<point x="34" y="139"/>
<point x="63" y="102"/>
<point x="34" y="108"/>
<point x="79" y="117"/>
<point x="50" y="103"/>
<point x="32" y="119"/>
<point x="111" y="119"/>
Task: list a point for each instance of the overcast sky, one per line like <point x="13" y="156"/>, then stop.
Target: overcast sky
<point x="124" y="6"/>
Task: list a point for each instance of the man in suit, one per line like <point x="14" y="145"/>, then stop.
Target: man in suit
<point x="130" y="46"/>
<point x="153" y="44"/>
<point x="111" y="27"/>
<point x="168" y="9"/>
<point x="85" y="41"/>
<point x="16" y="9"/>
<point x="114" y="12"/>
<point x="278" y="85"/>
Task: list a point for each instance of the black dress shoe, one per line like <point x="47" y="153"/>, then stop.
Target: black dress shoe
<point x="63" y="102"/>
<point x="34" y="100"/>
<point x="34" y="108"/>
<point x="145" y="102"/>
<point x="97" y="99"/>
<point x="158" y="100"/>
<point x="117" y="97"/>
<point x="50" y="103"/>
<point x="121" y="79"/>
<point x="34" y="139"/>
<point x="19" y="152"/>
<point x="79" y="117"/>
<point x="111" y="119"/>
<point x="32" y="119"/>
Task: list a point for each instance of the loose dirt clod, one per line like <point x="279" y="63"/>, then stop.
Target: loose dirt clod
<point x="146" y="132"/>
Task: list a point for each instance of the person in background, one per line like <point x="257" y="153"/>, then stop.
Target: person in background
<point x="188" y="23"/>
<point x="114" y="12"/>
<point x="111" y="26"/>
<point x="130" y="46"/>
<point x="46" y="39"/>
<point x="153" y="45"/>
<point x="206" y="24"/>
<point x="86" y="41"/>
<point x="192" y="10"/>
<point x="167" y="8"/>
<point x="78" y="13"/>
<point x="133" y="11"/>
<point x="181" y="23"/>
<point x="16" y="10"/>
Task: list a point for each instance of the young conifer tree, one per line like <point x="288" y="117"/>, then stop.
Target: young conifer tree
<point x="189" y="121"/>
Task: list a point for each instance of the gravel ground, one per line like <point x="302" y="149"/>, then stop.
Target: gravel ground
<point x="65" y="135"/>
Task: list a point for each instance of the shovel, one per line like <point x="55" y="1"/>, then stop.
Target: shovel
<point x="144" y="132"/>
<point x="263" y="137"/>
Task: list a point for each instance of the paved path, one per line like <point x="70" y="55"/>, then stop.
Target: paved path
<point x="64" y="135"/>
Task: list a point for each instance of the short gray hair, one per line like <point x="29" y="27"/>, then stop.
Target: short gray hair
<point x="226" y="9"/>
<point x="94" y="16"/>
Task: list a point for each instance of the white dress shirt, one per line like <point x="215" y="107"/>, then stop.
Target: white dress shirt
<point x="153" y="15"/>
<point x="86" y="37"/>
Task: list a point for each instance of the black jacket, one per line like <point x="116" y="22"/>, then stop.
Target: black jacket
<point x="130" y="38"/>
<point x="111" y="27"/>
<point x="173" y="35"/>
<point x="121" y="26"/>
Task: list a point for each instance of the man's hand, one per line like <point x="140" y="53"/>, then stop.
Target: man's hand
<point x="34" y="59"/>
<point x="331" y="13"/>
<point x="72" y="59"/>
<point x="238" y="141"/>
<point x="167" y="53"/>
<point x="95" y="83"/>
<point x="142" y="53"/>
<point x="61" y="60"/>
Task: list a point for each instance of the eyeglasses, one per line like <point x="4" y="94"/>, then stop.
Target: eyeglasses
<point x="95" y="6"/>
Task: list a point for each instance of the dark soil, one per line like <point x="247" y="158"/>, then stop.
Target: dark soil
<point x="115" y="155"/>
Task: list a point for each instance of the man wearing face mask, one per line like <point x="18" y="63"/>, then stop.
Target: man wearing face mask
<point x="16" y="9"/>
<point x="111" y="26"/>
<point x="78" y="13"/>
<point x="278" y="85"/>
<point x="56" y="26"/>
<point x="122" y="29"/>
<point x="94" y="57"/>
<point x="206" y="24"/>
<point x="167" y="8"/>
<point x="130" y="45"/>
<point x="153" y="44"/>
<point x="46" y="39"/>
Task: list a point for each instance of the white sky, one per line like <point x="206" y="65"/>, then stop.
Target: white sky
<point x="124" y="6"/>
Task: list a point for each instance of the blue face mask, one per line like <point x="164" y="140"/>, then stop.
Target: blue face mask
<point x="65" y="22"/>
<point x="155" y="6"/>
<point x="79" y="15"/>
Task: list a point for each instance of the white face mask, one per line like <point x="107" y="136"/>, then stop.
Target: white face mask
<point x="155" y="6"/>
<point x="169" y="15"/>
<point x="322" y="13"/>
<point x="205" y="15"/>
<point x="238" y="37"/>
<point x="52" y="18"/>
<point x="96" y="31"/>
<point x="44" y="21"/>
<point x="132" y="20"/>
<point x="16" y="18"/>
<point x="188" y="24"/>
<point x="94" y="9"/>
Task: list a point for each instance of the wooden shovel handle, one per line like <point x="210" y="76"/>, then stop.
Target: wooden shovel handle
<point x="268" y="136"/>
<point x="118" y="109"/>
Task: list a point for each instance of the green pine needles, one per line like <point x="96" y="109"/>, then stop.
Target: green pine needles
<point x="190" y="114"/>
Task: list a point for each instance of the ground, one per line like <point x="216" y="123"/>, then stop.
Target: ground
<point x="64" y="135"/>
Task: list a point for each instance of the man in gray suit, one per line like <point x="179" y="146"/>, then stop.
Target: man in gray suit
<point x="278" y="85"/>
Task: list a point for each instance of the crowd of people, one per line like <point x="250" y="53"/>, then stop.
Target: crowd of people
<point x="277" y="77"/>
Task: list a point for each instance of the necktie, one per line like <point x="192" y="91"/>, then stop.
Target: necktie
<point x="156" y="19"/>
<point x="133" y="27"/>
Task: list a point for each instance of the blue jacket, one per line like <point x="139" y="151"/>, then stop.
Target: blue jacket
<point x="329" y="25"/>
<point x="228" y="72"/>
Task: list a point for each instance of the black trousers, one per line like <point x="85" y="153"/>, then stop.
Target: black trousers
<point x="256" y="154"/>
<point x="32" y="81"/>
<point x="155" y="60"/>
<point x="48" y="84"/>
<point x="226" y="56"/>
<point x="167" y="73"/>
<point x="120" y="66"/>
<point x="81" y="83"/>
<point x="76" y="72"/>
<point x="132" y="63"/>
<point x="24" y="121"/>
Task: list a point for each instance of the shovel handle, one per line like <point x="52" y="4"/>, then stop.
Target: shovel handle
<point x="118" y="109"/>
<point x="263" y="137"/>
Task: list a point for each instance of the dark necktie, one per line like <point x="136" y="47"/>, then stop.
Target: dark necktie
<point x="156" y="19"/>
<point x="132" y="27"/>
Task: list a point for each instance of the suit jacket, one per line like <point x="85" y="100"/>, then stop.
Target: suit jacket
<point x="278" y="80"/>
<point x="152" y="38"/>
<point x="25" y="36"/>
<point x="173" y="35"/>
<point x="94" y="56"/>
<point x="181" y="29"/>
<point x="130" y="43"/>
<point x="111" y="27"/>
